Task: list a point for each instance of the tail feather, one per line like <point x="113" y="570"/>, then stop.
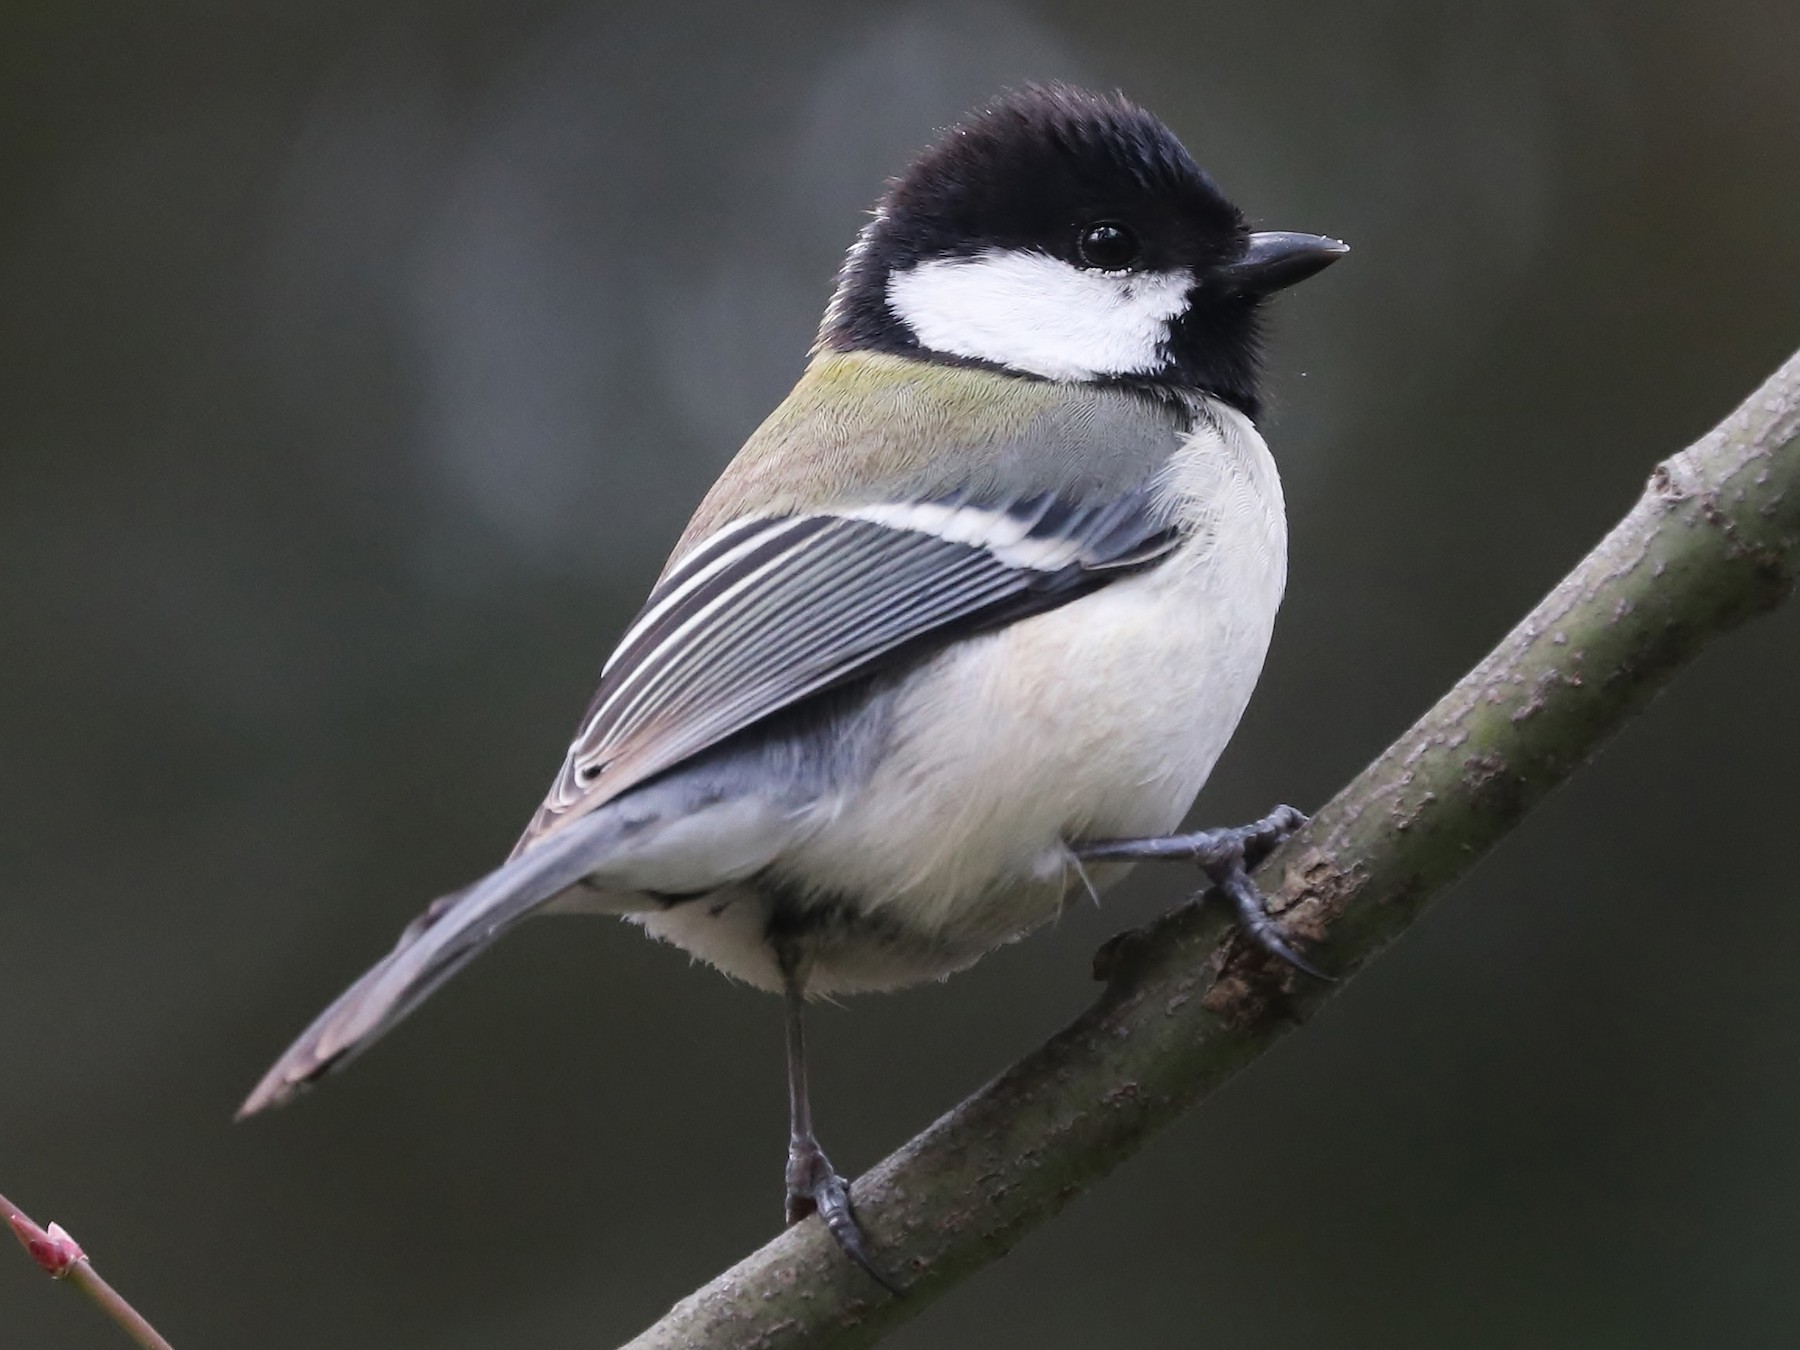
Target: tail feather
<point x="441" y="941"/>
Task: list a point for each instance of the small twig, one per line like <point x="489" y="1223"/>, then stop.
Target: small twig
<point x="60" y="1257"/>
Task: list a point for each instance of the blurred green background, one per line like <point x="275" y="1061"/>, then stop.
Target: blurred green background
<point x="358" y="363"/>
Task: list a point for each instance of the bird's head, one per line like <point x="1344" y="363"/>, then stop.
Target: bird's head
<point x="1069" y="236"/>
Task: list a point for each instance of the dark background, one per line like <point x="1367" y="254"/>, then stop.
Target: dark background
<point x="358" y="363"/>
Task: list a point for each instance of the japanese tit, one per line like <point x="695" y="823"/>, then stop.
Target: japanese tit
<point x="991" y="586"/>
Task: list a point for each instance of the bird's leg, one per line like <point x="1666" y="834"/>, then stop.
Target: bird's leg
<point x="813" y="1185"/>
<point x="1226" y="857"/>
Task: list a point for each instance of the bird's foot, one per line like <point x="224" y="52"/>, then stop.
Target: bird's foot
<point x="814" y="1187"/>
<point x="1226" y="857"/>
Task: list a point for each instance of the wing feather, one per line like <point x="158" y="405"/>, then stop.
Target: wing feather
<point x="770" y="611"/>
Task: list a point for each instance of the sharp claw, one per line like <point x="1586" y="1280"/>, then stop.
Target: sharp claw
<point x="1227" y="857"/>
<point x="1269" y="939"/>
<point x="833" y="1202"/>
<point x="815" y="1188"/>
<point x="1234" y="882"/>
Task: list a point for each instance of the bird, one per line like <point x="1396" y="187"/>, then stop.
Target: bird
<point x="960" y="632"/>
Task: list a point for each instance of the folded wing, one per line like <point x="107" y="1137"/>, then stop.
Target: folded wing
<point x="762" y="615"/>
<point x="772" y="610"/>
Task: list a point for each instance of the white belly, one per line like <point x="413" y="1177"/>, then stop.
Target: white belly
<point x="1099" y="719"/>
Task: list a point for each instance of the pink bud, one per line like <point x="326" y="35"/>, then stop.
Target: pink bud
<point x="54" y="1250"/>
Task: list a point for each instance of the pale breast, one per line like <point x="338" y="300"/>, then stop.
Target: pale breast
<point x="1102" y="718"/>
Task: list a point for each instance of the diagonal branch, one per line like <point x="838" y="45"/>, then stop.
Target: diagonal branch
<point x="60" y="1257"/>
<point x="1714" y="539"/>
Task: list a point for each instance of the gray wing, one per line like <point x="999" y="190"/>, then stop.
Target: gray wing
<point x="771" y="611"/>
<point x="759" y="617"/>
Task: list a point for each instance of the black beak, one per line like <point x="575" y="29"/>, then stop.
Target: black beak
<point x="1274" y="259"/>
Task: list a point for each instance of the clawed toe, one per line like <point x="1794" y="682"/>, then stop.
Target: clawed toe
<point x="1226" y="857"/>
<point x="1232" y="881"/>
<point x="1268" y="834"/>
<point x="814" y="1188"/>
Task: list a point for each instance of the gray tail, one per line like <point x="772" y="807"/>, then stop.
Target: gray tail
<point x="453" y="931"/>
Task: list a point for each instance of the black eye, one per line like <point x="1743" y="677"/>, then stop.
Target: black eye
<point x="1109" y="246"/>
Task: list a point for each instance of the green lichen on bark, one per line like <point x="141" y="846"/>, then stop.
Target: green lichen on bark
<point x="1714" y="539"/>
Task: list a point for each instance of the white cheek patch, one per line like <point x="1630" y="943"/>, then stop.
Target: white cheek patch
<point x="1039" y="314"/>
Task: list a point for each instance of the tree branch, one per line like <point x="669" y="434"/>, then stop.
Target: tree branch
<point x="1714" y="539"/>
